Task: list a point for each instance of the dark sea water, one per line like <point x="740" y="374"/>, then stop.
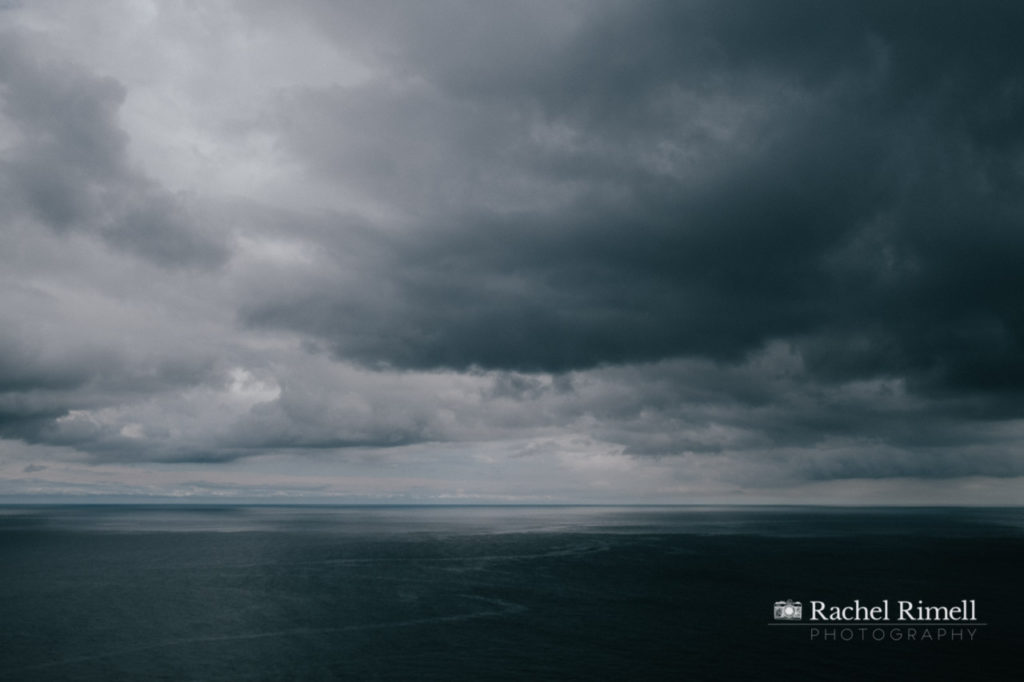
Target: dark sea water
<point x="494" y="593"/>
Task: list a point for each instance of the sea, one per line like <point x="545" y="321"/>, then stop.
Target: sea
<point x="176" y="592"/>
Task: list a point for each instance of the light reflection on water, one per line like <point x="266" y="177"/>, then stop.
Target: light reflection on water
<point x="697" y="520"/>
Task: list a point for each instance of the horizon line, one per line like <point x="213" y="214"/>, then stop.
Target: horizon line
<point x="243" y="503"/>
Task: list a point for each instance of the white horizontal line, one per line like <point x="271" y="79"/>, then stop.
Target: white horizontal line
<point x="892" y="625"/>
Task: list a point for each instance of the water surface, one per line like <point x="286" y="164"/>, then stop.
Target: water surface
<point x="490" y="593"/>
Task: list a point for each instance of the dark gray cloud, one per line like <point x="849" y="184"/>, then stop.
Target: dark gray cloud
<point x="684" y="179"/>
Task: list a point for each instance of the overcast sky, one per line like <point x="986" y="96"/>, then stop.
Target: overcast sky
<point x="516" y="251"/>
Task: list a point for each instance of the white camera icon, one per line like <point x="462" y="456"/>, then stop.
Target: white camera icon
<point x="788" y="610"/>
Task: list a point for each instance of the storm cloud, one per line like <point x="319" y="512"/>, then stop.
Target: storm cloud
<point x="695" y="247"/>
<point x="678" y="179"/>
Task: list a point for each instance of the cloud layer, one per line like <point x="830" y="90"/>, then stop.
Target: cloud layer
<point x="625" y="250"/>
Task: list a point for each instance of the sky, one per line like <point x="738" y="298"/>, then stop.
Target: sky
<point x="528" y="251"/>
